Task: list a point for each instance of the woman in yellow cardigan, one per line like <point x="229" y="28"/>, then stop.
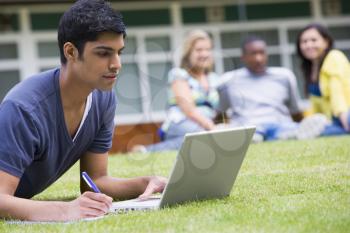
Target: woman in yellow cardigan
<point x="327" y="77"/>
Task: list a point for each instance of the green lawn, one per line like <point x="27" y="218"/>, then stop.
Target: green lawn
<point x="292" y="186"/>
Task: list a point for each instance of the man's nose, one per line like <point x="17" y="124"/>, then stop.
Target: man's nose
<point x="115" y="63"/>
<point x="259" y="57"/>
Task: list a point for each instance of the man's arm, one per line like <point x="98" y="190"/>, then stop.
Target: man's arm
<point x="96" y="166"/>
<point x="294" y="98"/>
<point x="184" y="100"/>
<point x="87" y="205"/>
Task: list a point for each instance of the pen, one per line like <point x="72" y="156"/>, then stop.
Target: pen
<point x="89" y="182"/>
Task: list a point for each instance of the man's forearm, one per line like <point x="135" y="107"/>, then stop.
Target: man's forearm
<point x="203" y="121"/>
<point x="24" y="209"/>
<point x="122" y="188"/>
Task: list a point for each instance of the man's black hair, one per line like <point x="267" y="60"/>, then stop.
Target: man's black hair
<point x="85" y="21"/>
<point x="250" y="39"/>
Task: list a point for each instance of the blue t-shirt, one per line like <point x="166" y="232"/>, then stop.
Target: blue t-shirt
<point x="35" y="145"/>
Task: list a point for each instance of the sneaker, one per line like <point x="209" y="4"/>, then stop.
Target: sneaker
<point x="287" y="135"/>
<point x="138" y="149"/>
<point x="312" y="126"/>
<point x="257" y="138"/>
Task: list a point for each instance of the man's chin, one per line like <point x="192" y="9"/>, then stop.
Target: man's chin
<point x="105" y="88"/>
<point x="260" y="70"/>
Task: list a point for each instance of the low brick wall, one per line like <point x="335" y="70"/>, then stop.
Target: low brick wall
<point x="126" y="136"/>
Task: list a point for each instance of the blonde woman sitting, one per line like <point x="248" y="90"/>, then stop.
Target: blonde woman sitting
<point x="192" y="95"/>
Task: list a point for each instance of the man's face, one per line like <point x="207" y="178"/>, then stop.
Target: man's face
<point x="255" y="57"/>
<point x="100" y="62"/>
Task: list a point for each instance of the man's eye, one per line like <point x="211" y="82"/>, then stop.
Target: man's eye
<point x="103" y="54"/>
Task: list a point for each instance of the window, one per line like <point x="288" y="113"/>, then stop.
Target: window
<point x="45" y="21"/>
<point x="149" y="17"/>
<point x="347" y="52"/>
<point x="193" y="15"/>
<point x="158" y="79"/>
<point x="48" y="49"/>
<point x="292" y="35"/>
<point x="231" y="13"/>
<point x="158" y="44"/>
<point x="9" y="22"/>
<point x="278" y="10"/>
<point x="345" y="7"/>
<point x="8" y="51"/>
<point x="340" y="32"/>
<point x="8" y="78"/>
<point x="234" y="39"/>
<point x="130" y="46"/>
<point x="129" y="99"/>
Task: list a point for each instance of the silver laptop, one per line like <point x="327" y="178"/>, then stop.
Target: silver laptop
<point x="206" y="167"/>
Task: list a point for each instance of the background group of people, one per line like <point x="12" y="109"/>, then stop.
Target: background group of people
<point x="257" y="94"/>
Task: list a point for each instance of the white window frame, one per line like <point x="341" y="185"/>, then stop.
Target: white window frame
<point x="29" y="62"/>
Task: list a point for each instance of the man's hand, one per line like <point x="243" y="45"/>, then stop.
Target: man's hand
<point x="88" y="205"/>
<point x="155" y="184"/>
<point x="119" y="188"/>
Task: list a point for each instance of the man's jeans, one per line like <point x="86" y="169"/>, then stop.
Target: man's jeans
<point x="274" y="131"/>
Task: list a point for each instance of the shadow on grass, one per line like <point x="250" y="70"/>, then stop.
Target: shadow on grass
<point x="59" y="198"/>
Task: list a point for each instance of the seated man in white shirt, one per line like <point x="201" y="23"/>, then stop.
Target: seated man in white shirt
<point x="263" y="96"/>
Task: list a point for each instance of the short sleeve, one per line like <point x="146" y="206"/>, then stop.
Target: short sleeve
<point x="102" y="143"/>
<point x="19" y="139"/>
<point x="177" y="74"/>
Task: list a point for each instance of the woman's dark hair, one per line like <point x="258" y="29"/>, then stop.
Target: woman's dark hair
<point x="306" y="64"/>
<point x="85" y="21"/>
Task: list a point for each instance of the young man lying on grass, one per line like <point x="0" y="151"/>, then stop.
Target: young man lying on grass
<point x="55" y="118"/>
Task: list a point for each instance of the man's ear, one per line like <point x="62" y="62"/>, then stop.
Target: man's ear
<point x="70" y="51"/>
